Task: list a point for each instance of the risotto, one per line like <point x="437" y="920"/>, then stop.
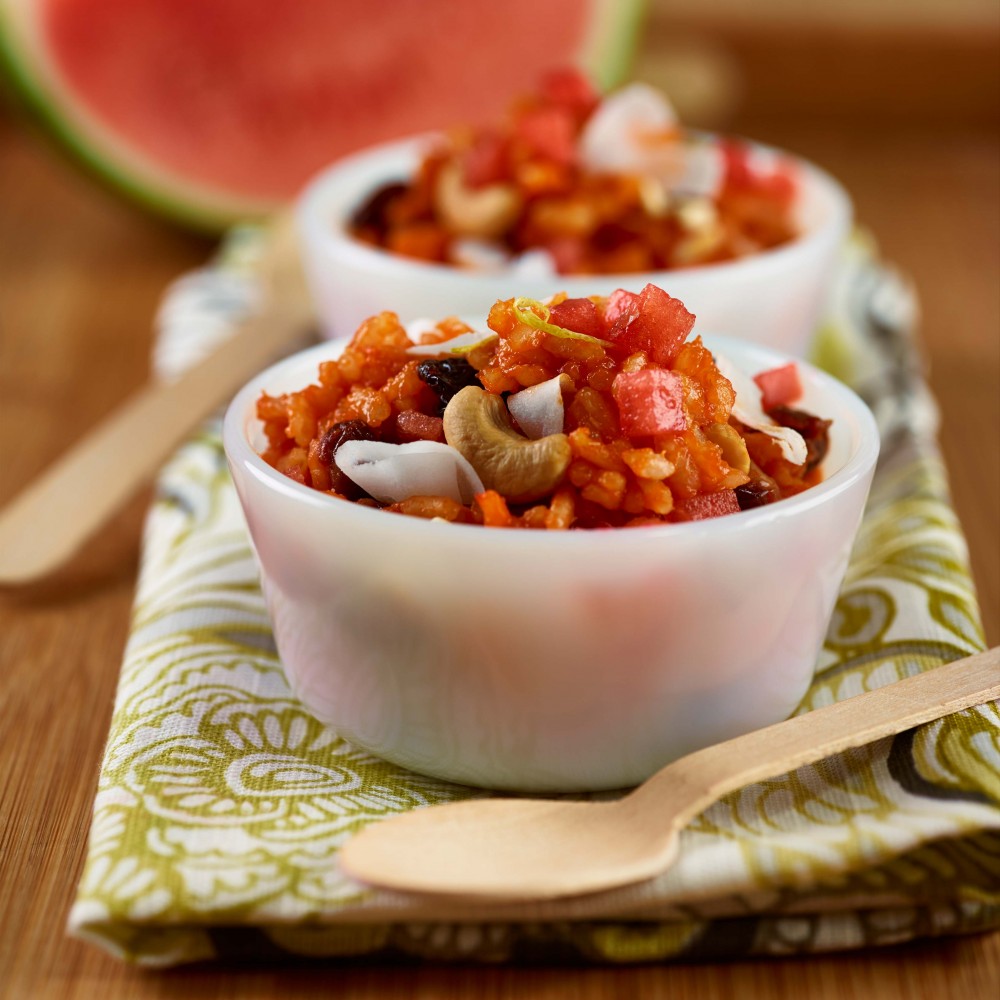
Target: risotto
<point x="574" y="183"/>
<point x="570" y="414"/>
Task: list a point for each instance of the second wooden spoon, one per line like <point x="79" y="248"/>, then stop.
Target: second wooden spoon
<point x="42" y="528"/>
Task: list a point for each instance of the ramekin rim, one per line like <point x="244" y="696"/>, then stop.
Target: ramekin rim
<point x="858" y="465"/>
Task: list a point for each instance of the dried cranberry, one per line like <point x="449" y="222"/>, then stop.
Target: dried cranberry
<point x="332" y="439"/>
<point x="446" y="377"/>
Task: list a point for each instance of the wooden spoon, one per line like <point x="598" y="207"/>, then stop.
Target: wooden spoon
<point x="45" y="524"/>
<point x="531" y="849"/>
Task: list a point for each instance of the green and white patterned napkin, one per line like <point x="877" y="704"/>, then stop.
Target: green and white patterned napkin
<point x="222" y="804"/>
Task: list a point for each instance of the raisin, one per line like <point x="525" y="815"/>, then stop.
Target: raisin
<point x="332" y="439"/>
<point x="761" y="489"/>
<point x="446" y="377"/>
<point x="371" y="215"/>
<point x="814" y="430"/>
<point x="754" y="494"/>
<point x="610" y="236"/>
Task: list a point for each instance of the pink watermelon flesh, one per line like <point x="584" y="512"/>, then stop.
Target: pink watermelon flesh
<point x="251" y="97"/>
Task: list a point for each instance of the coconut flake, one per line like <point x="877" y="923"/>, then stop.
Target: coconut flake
<point x="747" y="410"/>
<point x="395" y="472"/>
<point x="539" y="409"/>
<point x="461" y="344"/>
<point x="703" y="169"/>
<point x="478" y="254"/>
<point x="764" y="161"/>
<point x="416" y="328"/>
<point x="536" y="263"/>
<point x="636" y="131"/>
<point x="493" y="258"/>
<point x="624" y="134"/>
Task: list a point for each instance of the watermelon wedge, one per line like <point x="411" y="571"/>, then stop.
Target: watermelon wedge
<point x="214" y="111"/>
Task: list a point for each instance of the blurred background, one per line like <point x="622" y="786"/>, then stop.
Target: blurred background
<point x="900" y="99"/>
<point x="891" y="63"/>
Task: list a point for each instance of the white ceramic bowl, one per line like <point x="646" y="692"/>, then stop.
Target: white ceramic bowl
<point x="550" y="660"/>
<point x="772" y="298"/>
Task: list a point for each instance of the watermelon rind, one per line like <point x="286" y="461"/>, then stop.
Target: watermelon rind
<point x="194" y="206"/>
<point x="613" y="38"/>
<point x="606" y="55"/>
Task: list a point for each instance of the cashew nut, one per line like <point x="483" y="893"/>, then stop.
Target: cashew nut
<point x="476" y="423"/>
<point x="487" y="212"/>
<point x="734" y="448"/>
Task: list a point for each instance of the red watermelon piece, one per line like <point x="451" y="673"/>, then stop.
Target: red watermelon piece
<point x="652" y="321"/>
<point x="219" y="110"/>
<point x="650" y="401"/>
<point x="707" y="505"/>
<point x="579" y="315"/>
<point x="779" y="386"/>
<point x="619" y="302"/>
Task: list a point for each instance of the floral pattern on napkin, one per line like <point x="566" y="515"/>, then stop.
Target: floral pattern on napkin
<point x="222" y="804"/>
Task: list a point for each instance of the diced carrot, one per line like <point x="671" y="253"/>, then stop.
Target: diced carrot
<point x="495" y="511"/>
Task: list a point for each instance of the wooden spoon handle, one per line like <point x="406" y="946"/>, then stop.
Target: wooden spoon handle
<point x="43" y="526"/>
<point x="711" y="773"/>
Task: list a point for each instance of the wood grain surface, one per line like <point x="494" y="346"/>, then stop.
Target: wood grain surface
<point x="80" y="276"/>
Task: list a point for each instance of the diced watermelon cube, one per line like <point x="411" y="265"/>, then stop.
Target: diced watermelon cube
<point x="779" y="186"/>
<point x="650" y="401"/>
<point x="485" y="161"/>
<point x="736" y="157"/>
<point x="742" y="174"/>
<point x="549" y="132"/>
<point x="655" y="323"/>
<point x="579" y="315"/>
<point x="416" y="426"/>
<point x="708" y="505"/>
<point x="779" y="386"/>
<point x="566" y="252"/>
<point x="620" y="302"/>
<point x="570" y="89"/>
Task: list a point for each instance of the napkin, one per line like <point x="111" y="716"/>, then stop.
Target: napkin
<point x="222" y="804"/>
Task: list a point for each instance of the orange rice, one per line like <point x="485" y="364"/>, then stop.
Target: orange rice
<point x="612" y="480"/>
<point x="589" y="222"/>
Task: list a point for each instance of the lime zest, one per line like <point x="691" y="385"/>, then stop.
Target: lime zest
<point x="535" y="314"/>
<point x="462" y="344"/>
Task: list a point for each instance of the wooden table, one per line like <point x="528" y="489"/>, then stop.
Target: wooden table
<point x="80" y="276"/>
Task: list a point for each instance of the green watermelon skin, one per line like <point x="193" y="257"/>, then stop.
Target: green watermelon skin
<point x="232" y="104"/>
